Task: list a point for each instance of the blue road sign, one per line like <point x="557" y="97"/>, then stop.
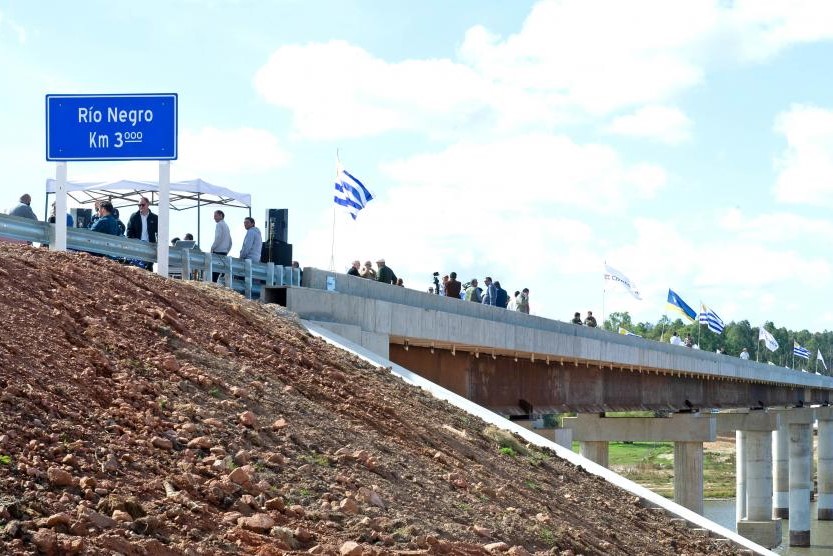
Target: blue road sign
<point x="111" y="127"/>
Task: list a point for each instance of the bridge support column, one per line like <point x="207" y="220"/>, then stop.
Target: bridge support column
<point x="753" y="434"/>
<point x="687" y="431"/>
<point x="595" y="451"/>
<point x="801" y="468"/>
<point x="688" y="475"/>
<point x="825" y="464"/>
<point x="781" y="470"/>
<point x="740" y="476"/>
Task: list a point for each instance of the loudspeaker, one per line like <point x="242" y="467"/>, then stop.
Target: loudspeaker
<point x="278" y="252"/>
<point x="81" y="217"/>
<point x="277" y="225"/>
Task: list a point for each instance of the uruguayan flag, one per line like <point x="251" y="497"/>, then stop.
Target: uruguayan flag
<point x="710" y="319"/>
<point x="799" y="351"/>
<point x="350" y="192"/>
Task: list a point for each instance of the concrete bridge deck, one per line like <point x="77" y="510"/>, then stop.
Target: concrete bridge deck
<point x="511" y="362"/>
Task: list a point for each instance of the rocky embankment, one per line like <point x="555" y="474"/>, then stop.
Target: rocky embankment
<point x="148" y="416"/>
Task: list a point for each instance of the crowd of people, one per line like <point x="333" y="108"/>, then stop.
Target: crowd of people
<point x="450" y="286"/>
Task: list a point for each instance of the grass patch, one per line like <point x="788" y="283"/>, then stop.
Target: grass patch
<point x="5" y="460"/>
<point x="651" y="464"/>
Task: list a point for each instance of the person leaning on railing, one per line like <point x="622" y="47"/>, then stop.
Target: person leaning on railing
<point x="106" y="223"/>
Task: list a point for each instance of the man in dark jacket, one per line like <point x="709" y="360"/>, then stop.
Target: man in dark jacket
<point x="453" y="286"/>
<point x="385" y="274"/>
<point x="106" y="222"/>
<point x="501" y="297"/>
<point x="143" y="225"/>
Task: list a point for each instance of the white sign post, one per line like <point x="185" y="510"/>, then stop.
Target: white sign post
<point x="164" y="218"/>
<point x="60" y="243"/>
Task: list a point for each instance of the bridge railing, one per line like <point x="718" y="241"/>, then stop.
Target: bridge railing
<point x="519" y="331"/>
<point x="244" y="276"/>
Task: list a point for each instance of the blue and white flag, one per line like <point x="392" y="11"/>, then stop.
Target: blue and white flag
<point x="820" y="357"/>
<point x="676" y="304"/>
<point x="350" y="192"/>
<point x="799" y="351"/>
<point x="710" y="319"/>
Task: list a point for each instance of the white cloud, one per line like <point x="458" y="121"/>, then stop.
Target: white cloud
<point x="806" y="165"/>
<point x="7" y="24"/>
<point x="566" y="61"/>
<point x="340" y="90"/>
<point x="775" y="228"/>
<point x="663" y="123"/>
<point x="521" y="173"/>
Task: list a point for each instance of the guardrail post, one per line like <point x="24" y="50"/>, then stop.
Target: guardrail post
<point x="229" y="276"/>
<point x="296" y="272"/>
<point x="248" y="278"/>
<point x="270" y="274"/>
<point x="186" y="264"/>
<point x="208" y="271"/>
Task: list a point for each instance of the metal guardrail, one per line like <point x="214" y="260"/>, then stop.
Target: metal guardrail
<point x="243" y="276"/>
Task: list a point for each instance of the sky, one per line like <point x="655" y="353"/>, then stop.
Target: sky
<point x="689" y="145"/>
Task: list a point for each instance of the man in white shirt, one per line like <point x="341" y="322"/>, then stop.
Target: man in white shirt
<point x="675" y="339"/>
<point x="222" y="239"/>
<point x="744" y="354"/>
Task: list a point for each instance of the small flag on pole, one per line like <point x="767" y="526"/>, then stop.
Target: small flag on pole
<point x="676" y="304"/>
<point x="799" y="351"/>
<point x="615" y="276"/>
<point x="821" y="358"/>
<point x="626" y="332"/>
<point x="350" y="192"/>
<point x="710" y="319"/>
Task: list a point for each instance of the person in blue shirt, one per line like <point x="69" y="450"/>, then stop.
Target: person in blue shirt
<point x="106" y="223"/>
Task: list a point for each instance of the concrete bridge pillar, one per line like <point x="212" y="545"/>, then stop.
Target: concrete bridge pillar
<point x="781" y="470"/>
<point x="825" y="464"/>
<point x="753" y="432"/>
<point x="801" y="469"/>
<point x="740" y="476"/>
<point x="687" y="431"/>
<point x="595" y="451"/>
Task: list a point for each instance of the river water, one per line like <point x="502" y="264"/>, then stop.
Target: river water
<point x="821" y="532"/>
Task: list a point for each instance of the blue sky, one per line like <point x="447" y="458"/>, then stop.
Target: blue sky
<point x="689" y="145"/>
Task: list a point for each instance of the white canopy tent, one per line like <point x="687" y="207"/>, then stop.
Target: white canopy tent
<point x="184" y="195"/>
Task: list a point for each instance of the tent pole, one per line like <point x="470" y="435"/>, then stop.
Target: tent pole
<point x="199" y="212"/>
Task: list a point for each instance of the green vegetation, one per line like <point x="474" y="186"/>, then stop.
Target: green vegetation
<point x="5" y="460"/>
<point x="735" y="337"/>
<point x="507" y="451"/>
<point x="651" y="464"/>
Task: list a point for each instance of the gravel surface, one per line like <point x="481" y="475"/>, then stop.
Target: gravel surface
<point x="148" y="416"/>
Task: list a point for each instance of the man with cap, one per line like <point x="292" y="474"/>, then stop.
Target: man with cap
<point x="385" y="274"/>
<point x="367" y="271"/>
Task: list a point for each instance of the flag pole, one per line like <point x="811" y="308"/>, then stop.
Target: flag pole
<point x="604" y="289"/>
<point x="333" y="242"/>
<point x="699" y="324"/>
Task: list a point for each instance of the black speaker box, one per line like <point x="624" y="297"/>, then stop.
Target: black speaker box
<point x="278" y="252"/>
<point x="81" y="217"/>
<point x="277" y="225"/>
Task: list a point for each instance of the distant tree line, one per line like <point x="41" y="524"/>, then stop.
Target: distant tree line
<point x="735" y="337"/>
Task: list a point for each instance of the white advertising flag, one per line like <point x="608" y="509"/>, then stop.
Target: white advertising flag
<point x="615" y="276"/>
